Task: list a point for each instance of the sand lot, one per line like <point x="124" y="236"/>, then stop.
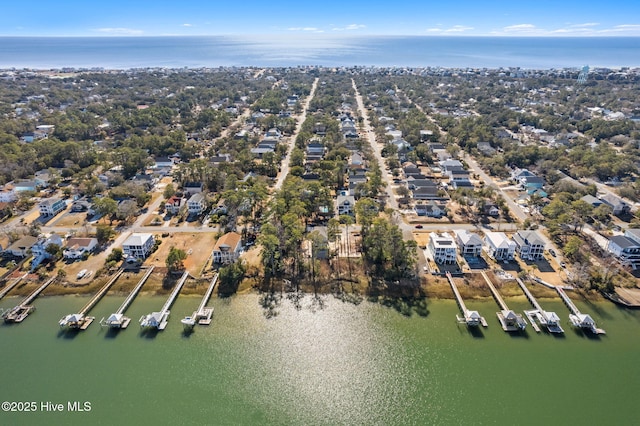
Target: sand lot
<point x="197" y="246"/>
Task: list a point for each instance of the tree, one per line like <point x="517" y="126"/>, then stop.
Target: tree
<point x="230" y="277"/>
<point x="115" y="256"/>
<point x="104" y="233"/>
<point x="175" y="259"/>
<point x="55" y="251"/>
<point x="126" y="210"/>
<point x="106" y="207"/>
<point x="169" y="191"/>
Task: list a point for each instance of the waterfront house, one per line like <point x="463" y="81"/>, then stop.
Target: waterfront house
<point x="138" y="245"/>
<point x="625" y="250"/>
<point x="25" y="185"/>
<point x="77" y="247"/>
<point x="529" y="245"/>
<point x="469" y="244"/>
<point x="227" y="248"/>
<point x="21" y="247"/>
<point x="196" y="204"/>
<point x="498" y="246"/>
<point x="442" y="248"/>
<point x="52" y="206"/>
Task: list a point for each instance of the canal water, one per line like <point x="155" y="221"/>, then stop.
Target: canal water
<point x="319" y="362"/>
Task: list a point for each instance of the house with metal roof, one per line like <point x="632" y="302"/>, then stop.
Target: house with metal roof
<point x="529" y="245"/>
<point x="138" y="245"/>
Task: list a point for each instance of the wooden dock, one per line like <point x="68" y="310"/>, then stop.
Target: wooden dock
<point x="577" y="318"/>
<point x="509" y="320"/>
<point x="549" y="319"/>
<point x="471" y="318"/>
<point x="204" y="313"/>
<point x="117" y="319"/>
<point x="160" y="319"/>
<point x="22" y="311"/>
<point x="12" y="285"/>
<point x="81" y="320"/>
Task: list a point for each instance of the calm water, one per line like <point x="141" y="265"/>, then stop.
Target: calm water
<point x="330" y="364"/>
<point x="490" y="52"/>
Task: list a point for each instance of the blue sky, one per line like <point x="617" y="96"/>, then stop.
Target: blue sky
<point x="328" y="17"/>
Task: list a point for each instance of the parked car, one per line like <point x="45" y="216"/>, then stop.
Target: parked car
<point x="552" y="252"/>
<point x="419" y="227"/>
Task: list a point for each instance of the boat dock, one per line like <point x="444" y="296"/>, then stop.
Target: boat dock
<point x="159" y="319"/>
<point x="81" y="320"/>
<point x="117" y="319"/>
<point x="20" y="312"/>
<point x="577" y="318"/>
<point x="549" y="319"/>
<point x="509" y="320"/>
<point x="471" y="318"/>
<point x="204" y="313"/>
<point x="12" y="285"/>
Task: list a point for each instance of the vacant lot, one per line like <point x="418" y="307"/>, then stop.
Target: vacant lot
<point x="197" y="246"/>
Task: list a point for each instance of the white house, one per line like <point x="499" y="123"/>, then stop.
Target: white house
<point x="52" y="206"/>
<point x="227" y="248"/>
<point x="626" y="250"/>
<point x="77" y="247"/>
<point x="174" y="204"/>
<point x="529" y="245"/>
<point x="138" y="245"/>
<point x="196" y="203"/>
<point x="469" y="244"/>
<point x="498" y="246"/>
<point x="442" y="248"/>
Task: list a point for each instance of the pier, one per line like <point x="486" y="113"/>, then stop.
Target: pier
<point x="117" y="319"/>
<point x="12" y="285"/>
<point x="471" y="318"/>
<point x="509" y="320"/>
<point x="159" y="319"/>
<point x="577" y="318"/>
<point x="549" y="319"/>
<point x="20" y="312"/>
<point x="204" y="313"/>
<point x="81" y="320"/>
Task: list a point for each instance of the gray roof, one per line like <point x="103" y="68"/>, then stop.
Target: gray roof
<point x="623" y="242"/>
<point x="530" y="238"/>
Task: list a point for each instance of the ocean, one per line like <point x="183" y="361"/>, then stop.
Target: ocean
<point x="288" y="51"/>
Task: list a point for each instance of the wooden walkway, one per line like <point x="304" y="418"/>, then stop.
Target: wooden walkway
<point x="22" y="311"/>
<point x="549" y="319"/>
<point x="577" y="318"/>
<point x="509" y="320"/>
<point x="81" y="320"/>
<point x="117" y="319"/>
<point x="204" y="313"/>
<point x="12" y="285"/>
<point x="471" y="318"/>
<point x="159" y="319"/>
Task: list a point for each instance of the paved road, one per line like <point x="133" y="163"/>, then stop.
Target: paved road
<point x="284" y="168"/>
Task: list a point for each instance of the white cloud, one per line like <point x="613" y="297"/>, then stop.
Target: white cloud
<point x="520" y="28"/>
<point x="350" y="27"/>
<point x="119" y="31"/>
<point x="450" y="30"/>
<point x="314" y="29"/>
<point x="187" y="25"/>
<point x="585" y="25"/>
<point x="625" y="29"/>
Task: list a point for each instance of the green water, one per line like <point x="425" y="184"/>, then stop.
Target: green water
<point x="320" y="364"/>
